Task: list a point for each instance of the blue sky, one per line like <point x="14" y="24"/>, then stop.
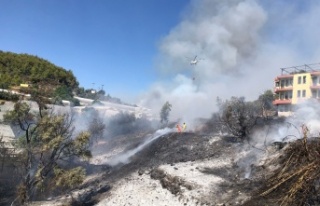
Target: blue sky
<point x="105" y="42"/>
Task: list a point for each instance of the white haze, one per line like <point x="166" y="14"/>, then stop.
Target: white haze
<point x="243" y="44"/>
<point x="306" y="114"/>
<point x="124" y="158"/>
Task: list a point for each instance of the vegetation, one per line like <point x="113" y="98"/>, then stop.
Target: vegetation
<point x="296" y="179"/>
<point x="19" y="69"/>
<point x="238" y="116"/>
<point x="265" y="103"/>
<point x="38" y="74"/>
<point x="8" y="96"/>
<point x="125" y="123"/>
<point x="47" y="144"/>
<point x="96" y="125"/>
<point x="10" y="171"/>
<point x="164" y="113"/>
<point x="64" y="93"/>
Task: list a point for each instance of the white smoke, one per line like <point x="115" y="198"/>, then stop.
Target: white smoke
<point x="124" y="158"/>
<point x="306" y="114"/>
<point x="243" y="44"/>
<point x="305" y="119"/>
<point x="226" y="36"/>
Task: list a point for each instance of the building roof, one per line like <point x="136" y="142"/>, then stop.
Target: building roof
<point x="306" y="68"/>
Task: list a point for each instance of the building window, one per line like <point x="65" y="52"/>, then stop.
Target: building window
<point x="299" y="80"/>
<point x="281" y="95"/>
<point x="284" y="108"/>
<point x="288" y="95"/>
<point x="303" y="93"/>
<point x="299" y="94"/>
<point x="281" y="108"/>
<point x="287" y="82"/>
<point x="304" y="80"/>
<point x="314" y="80"/>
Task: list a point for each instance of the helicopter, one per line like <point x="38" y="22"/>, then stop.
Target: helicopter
<point x="194" y="61"/>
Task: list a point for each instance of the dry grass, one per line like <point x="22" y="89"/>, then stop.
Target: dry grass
<point x="296" y="182"/>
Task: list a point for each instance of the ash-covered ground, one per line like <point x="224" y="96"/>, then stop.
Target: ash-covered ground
<point x="173" y="169"/>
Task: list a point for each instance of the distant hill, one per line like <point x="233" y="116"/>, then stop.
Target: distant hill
<point x="16" y="69"/>
<point x="36" y="73"/>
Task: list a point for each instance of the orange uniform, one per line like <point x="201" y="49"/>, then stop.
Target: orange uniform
<point x="178" y="128"/>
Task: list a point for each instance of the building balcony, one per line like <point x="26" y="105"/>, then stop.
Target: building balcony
<point x="282" y="101"/>
<point x="315" y="73"/>
<point x="283" y="89"/>
<point x="284" y="76"/>
<point x="316" y="86"/>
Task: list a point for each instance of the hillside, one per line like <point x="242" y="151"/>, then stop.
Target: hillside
<point x="194" y="168"/>
<point x="50" y="80"/>
<point x="19" y="69"/>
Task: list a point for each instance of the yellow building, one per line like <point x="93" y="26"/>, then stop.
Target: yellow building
<point x="24" y="85"/>
<point x="295" y="85"/>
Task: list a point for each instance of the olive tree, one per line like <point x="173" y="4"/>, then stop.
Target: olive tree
<point x="237" y="116"/>
<point x="48" y="141"/>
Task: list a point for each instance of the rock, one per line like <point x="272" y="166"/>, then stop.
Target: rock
<point x="140" y="172"/>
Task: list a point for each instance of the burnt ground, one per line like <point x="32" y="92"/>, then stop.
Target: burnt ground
<point x="175" y="148"/>
<point x="171" y="149"/>
<point x="168" y="149"/>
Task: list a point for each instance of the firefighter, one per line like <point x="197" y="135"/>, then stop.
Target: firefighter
<point x="178" y="128"/>
<point x="184" y="127"/>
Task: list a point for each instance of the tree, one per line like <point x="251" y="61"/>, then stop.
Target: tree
<point x="265" y="102"/>
<point x="63" y="92"/>
<point x="96" y="125"/>
<point x="237" y="116"/>
<point x="122" y="123"/>
<point x="164" y="113"/>
<point x="10" y="170"/>
<point x="48" y="142"/>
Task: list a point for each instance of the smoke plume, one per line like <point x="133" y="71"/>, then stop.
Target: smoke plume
<point x="241" y="44"/>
